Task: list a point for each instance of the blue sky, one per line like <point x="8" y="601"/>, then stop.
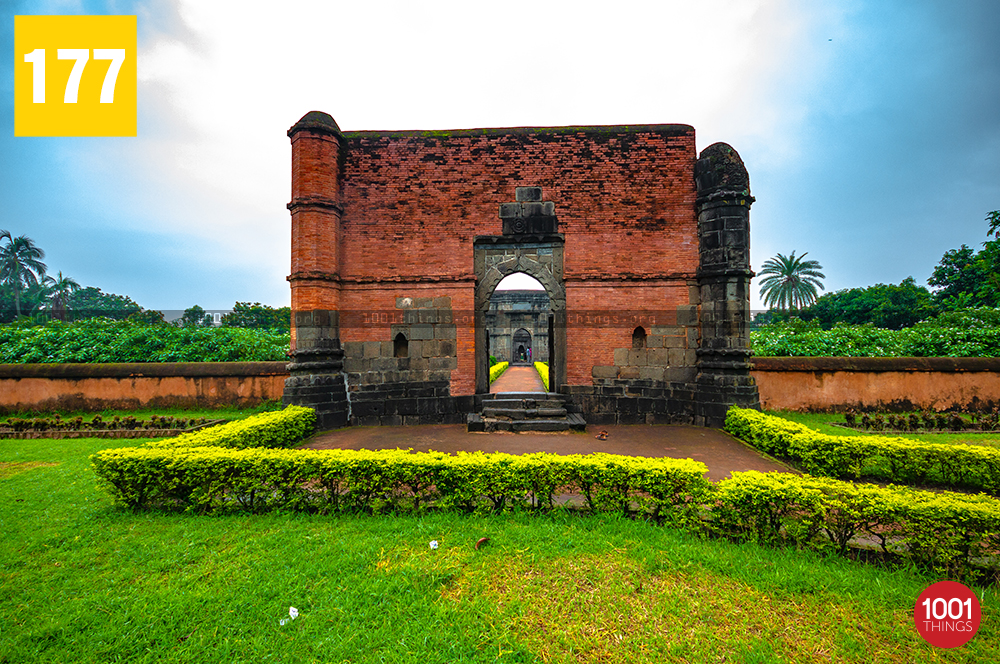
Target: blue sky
<point x="871" y="130"/>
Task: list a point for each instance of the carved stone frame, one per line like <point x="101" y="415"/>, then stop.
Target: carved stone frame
<point x="497" y="256"/>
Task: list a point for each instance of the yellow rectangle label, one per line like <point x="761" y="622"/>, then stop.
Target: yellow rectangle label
<point x="75" y="76"/>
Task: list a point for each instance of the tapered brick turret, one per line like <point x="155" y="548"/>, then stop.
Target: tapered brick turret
<point x="724" y="274"/>
<point x="316" y="213"/>
<point x="317" y="359"/>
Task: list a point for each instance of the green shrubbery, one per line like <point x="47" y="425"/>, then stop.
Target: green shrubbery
<point x="102" y="340"/>
<point x="98" y="423"/>
<point x="160" y="470"/>
<point x="968" y="333"/>
<point x="189" y="471"/>
<point x="240" y="467"/>
<point x="543" y="372"/>
<point x="878" y="457"/>
<point x="497" y="370"/>
<point x="949" y="532"/>
<point x="275" y="429"/>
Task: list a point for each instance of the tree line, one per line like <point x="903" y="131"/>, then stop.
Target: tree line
<point x="29" y="295"/>
<point x="963" y="279"/>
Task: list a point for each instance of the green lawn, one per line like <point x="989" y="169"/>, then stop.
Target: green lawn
<point x="822" y="422"/>
<point x="83" y="581"/>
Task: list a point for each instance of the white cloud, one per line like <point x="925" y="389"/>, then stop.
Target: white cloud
<point x="212" y="158"/>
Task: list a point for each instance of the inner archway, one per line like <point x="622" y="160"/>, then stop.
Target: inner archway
<point x="517" y="326"/>
<point x="505" y="265"/>
<point x="517" y="321"/>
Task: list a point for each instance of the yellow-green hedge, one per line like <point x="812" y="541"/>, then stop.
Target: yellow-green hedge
<point x="207" y="479"/>
<point x="882" y="457"/>
<point x="280" y="428"/>
<point x="543" y="372"/>
<point x="497" y="369"/>
<point x="219" y="470"/>
<point x="949" y="532"/>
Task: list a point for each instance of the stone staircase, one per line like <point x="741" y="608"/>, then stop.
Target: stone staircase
<point x="526" y="411"/>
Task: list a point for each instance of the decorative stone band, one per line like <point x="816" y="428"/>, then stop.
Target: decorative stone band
<point x="313" y="275"/>
<point x="627" y="276"/>
<point x="519" y="239"/>
<point x="706" y="273"/>
<point x="315" y="203"/>
<point x="721" y="197"/>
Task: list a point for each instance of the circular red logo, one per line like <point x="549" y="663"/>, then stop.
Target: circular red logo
<point x="947" y="614"/>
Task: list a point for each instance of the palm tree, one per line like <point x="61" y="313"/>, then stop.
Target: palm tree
<point x="790" y="282"/>
<point x="59" y="291"/>
<point x="20" y="264"/>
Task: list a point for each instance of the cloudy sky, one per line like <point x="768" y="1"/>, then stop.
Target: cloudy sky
<point x="871" y="129"/>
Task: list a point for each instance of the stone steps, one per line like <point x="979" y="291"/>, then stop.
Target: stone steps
<point x="526" y="411"/>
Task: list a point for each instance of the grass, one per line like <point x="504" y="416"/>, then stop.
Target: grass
<point x="823" y="422"/>
<point x="83" y="581"/>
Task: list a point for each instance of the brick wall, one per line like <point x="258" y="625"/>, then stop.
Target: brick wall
<point x="792" y="383"/>
<point x="67" y="387"/>
<point x="413" y="201"/>
<point x="894" y="384"/>
<point x="409" y="205"/>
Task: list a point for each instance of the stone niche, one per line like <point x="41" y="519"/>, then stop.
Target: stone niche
<point x="406" y="378"/>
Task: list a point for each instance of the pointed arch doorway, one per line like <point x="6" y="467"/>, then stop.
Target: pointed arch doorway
<point x="540" y="257"/>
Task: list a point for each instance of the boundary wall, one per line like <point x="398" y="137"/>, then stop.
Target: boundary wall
<point x="816" y="384"/>
<point x="94" y="387"/>
<point x="834" y="384"/>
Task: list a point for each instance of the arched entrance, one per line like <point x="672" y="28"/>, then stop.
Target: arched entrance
<point x="521" y="345"/>
<point x="540" y="257"/>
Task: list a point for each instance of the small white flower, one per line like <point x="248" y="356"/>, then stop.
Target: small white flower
<point x="283" y="621"/>
<point x="293" y="612"/>
<point x="434" y="544"/>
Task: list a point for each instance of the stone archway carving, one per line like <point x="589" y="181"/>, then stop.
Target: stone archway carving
<point x="497" y="273"/>
<point x="538" y="256"/>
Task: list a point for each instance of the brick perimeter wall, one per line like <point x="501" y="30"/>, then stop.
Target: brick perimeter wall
<point x="93" y="387"/>
<point x="834" y="384"/>
<point x="800" y="384"/>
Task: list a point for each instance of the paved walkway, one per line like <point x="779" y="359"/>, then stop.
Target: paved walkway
<point x="722" y="453"/>
<point x="518" y="379"/>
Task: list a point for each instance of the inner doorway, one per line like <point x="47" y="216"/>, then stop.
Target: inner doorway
<point x="521" y="263"/>
<point x="517" y="325"/>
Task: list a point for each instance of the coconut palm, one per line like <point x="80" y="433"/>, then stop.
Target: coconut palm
<point x="20" y="264"/>
<point x="790" y="282"/>
<point x="59" y="291"/>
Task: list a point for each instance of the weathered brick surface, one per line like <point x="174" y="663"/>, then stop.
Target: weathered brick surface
<point x="413" y="201"/>
<point x="384" y="222"/>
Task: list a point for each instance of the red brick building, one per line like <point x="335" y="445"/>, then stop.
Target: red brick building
<point x="400" y="238"/>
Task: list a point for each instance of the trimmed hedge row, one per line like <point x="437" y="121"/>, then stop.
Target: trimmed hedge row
<point x="497" y="369"/>
<point x="218" y="470"/>
<point x="280" y="428"/>
<point x="948" y="532"/>
<point x="212" y="479"/>
<point x="881" y="457"/>
<point x="543" y="372"/>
